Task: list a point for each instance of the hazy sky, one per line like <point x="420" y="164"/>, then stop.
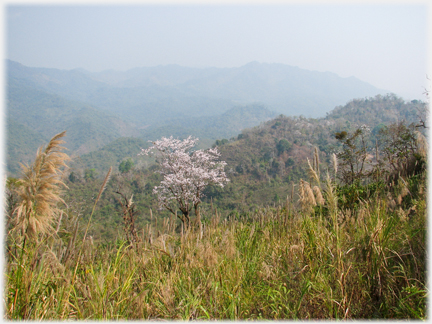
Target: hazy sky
<point x="385" y="45"/>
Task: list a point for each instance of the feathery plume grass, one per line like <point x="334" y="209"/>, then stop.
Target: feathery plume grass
<point x="306" y="195"/>
<point x="310" y="195"/>
<point x="39" y="189"/>
<point x="103" y="187"/>
<point x="317" y="162"/>
<point x="312" y="173"/>
<point x="318" y="196"/>
<point x="335" y="164"/>
<point x="330" y="194"/>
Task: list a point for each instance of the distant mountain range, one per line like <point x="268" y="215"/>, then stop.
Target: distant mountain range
<point x="150" y="102"/>
<point x="183" y="91"/>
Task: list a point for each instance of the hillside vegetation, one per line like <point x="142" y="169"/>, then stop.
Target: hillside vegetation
<point x="264" y="161"/>
<point x="33" y="113"/>
<point x="322" y="218"/>
<point x="299" y="131"/>
<point x="147" y="103"/>
<point x="207" y="129"/>
<point x="347" y="242"/>
<point x="264" y="164"/>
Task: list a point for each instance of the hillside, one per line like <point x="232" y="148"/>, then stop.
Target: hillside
<point x="331" y="250"/>
<point x="263" y="162"/>
<point x="36" y="114"/>
<point x="379" y="109"/>
<point x="22" y="144"/>
<point x="207" y="129"/>
<point x="148" y="103"/>
<point x="280" y="241"/>
<point x="33" y="110"/>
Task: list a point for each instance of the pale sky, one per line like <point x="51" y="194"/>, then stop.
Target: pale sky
<point x="385" y="44"/>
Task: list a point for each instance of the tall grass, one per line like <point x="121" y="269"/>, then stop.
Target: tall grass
<point x="285" y="262"/>
<point x="288" y="265"/>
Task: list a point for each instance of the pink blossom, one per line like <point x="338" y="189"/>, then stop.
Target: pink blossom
<point x="185" y="172"/>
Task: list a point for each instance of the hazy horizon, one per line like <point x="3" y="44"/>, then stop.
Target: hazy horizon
<point x="384" y="45"/>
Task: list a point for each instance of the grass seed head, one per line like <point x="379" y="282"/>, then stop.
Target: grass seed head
<point x="318" y="196"/>
<point x="317" y="161"/>
<point x="39" y="190"/>
<point x="310" y="195"/>
<point x="312" y="173"/>
<point x="335" y="163"/>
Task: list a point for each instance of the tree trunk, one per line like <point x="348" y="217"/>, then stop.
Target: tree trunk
<point x="198" y="215"/>
<point x="184" y="217"/>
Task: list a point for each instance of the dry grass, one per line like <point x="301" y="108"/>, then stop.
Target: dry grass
<point x="39" y="190"/>
<point x="276" y="263"/>
<point x="307" y="268"/>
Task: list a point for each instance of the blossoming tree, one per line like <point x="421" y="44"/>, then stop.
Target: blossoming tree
<point x="185" y="174"/>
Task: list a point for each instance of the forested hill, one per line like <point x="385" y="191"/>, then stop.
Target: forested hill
<point x="379" y="109"/>
<point x="34" y="116"/>
<point x="97" y="109"/>
<point x="256" y="145"/>
<point x="207" y="129"/>
<point x="256" y="148"/>
<point x="263" y="162"/>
